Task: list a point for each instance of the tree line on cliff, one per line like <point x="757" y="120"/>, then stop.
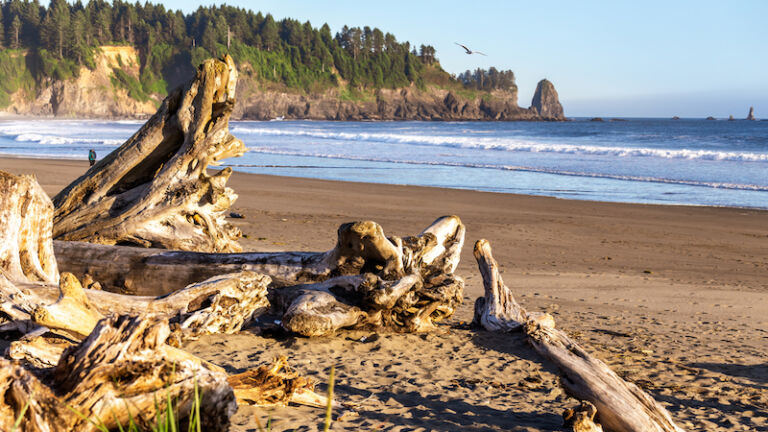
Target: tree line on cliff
<point x="59" y="38"/>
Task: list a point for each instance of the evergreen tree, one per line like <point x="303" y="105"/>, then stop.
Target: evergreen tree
<point x="16" y="30"/>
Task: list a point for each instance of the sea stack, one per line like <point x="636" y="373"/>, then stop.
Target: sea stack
<point x="751" y="115"/>
<point x="546" y="102"/>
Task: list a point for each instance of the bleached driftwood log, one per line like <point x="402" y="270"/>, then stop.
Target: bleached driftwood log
<point x="360" y="247"/>
<point x="621" y="406"/>
<point x="26" y="251"/>
<point x="221" y="304"/>
<point x="121" y="372"/>
<point x="29" y="299"/>
<point x="399" y="284"/>
<point x="273" y="385"/>
<point x="154" y="191"/>
<point x="581" y="419"/>
<point x="367" y="279"/>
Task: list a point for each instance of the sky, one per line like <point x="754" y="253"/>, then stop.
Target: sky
<point x="609" y="58"/>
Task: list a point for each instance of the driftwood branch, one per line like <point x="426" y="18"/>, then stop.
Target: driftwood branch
<point x="26" y="251"/>
<point x="621" y="406"/>
<point x="154" y="190"/>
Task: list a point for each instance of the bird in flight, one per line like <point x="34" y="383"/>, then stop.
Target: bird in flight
<point x="469" y="51"/>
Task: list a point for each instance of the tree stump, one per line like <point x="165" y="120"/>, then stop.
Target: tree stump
<point x="154" y="190"/>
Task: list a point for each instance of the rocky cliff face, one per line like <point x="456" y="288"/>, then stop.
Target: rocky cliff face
<point x="546" y="102"/>
<point x="401" y="104"/>
<point x="91" y="94"/>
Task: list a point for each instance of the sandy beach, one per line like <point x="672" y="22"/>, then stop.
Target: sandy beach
<point x="672" y="297"/>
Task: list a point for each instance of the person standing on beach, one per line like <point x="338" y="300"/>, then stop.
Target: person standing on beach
<point x="92" y="156"/>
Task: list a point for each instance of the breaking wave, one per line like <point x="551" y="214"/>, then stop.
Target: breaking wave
<point x="509" y="144"/>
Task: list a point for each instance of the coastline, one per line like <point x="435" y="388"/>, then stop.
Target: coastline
<point x="670" y="296"/>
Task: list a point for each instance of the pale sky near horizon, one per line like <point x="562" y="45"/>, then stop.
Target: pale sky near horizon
<point x="611" y="58"/>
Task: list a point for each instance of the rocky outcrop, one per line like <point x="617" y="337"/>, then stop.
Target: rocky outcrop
<point x="409" y="103"/>
<point x="94" y="94"/>
<point x="91" y="94"/>
<point x="751" y="115"/>
<point x="546" y="103"/>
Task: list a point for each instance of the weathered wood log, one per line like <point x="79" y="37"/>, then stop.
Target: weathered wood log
<point x="360" y="247"/>
<point x="154" y="190"/>
<point x="621" y="406"/>
<point x="26" y="252"/>
<point x="222" y="304"/>
<point x="581" y="419"/>
<point x="497" y="310"/>
<point x="117" y="374"/>
<point x="403" y="285"/>
<point x="273" y="385"/>
<point x="23" y="392"/>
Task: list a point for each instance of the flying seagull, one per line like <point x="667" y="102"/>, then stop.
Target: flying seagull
<point x="469" y="51"/>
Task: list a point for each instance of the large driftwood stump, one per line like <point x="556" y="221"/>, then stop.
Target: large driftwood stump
<point x="621" y="406"/>
<point x="122" y="371"/>
<point x="26" y="251"/>
<point x="154" y="190"/>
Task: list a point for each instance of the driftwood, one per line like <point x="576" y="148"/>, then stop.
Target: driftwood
<point x="581" y="419"/>
<point x="154" y="189"/>
<point x="121" y="372"/>
<point x="360" y="247"/>
<point x="26" y="252"/>
<point x="273" y="385"/>
<point x="367" y="279"/>
<point x="621" y="406"/>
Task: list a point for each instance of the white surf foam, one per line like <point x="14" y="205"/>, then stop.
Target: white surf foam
<point x="510" y="144"/>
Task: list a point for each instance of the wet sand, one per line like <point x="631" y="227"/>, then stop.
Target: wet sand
<point x="672" y="297"/>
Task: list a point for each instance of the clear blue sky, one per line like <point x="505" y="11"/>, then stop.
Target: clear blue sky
<point x="609" y="58"/>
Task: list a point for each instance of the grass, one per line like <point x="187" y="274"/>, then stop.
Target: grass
<point x="329" y="407"/>
<point x="167" y="422"/>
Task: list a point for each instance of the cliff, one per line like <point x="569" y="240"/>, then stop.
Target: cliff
<point x="408" y="103"/>
<point x="112" y="89"/>
<point x="100" y="92"/>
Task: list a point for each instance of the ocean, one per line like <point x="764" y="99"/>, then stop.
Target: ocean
<point x="660" y="161"/>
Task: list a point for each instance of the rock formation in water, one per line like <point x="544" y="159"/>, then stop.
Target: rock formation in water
<point x="546" y="103"/>
<point x="751" y="115"/>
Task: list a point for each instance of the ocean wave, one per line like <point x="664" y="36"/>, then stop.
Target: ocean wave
<point x="61" y="140"/>
<point x="645" y="179"/>
<point x="509" y="144"/>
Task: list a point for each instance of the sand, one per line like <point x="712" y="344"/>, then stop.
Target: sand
<point x="672" y="297"/>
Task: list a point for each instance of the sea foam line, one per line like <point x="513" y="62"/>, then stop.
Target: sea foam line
<point x="508" y="144"/>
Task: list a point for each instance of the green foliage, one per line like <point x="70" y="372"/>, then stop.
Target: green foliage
<point x="14" y="75"/>
<point x="48" y="65"/>
<point x="122" y="79"/>
<point x="64" y="35"/>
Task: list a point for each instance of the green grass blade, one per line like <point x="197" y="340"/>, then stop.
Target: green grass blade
<point x="17" y="423"/>
<point x="329" y="407"/>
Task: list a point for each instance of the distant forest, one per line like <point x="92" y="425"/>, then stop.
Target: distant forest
<point x="62" y="37"/>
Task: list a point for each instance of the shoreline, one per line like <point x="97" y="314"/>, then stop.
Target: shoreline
<point x="671" y="297"/>
<point x="235" y="170"/>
